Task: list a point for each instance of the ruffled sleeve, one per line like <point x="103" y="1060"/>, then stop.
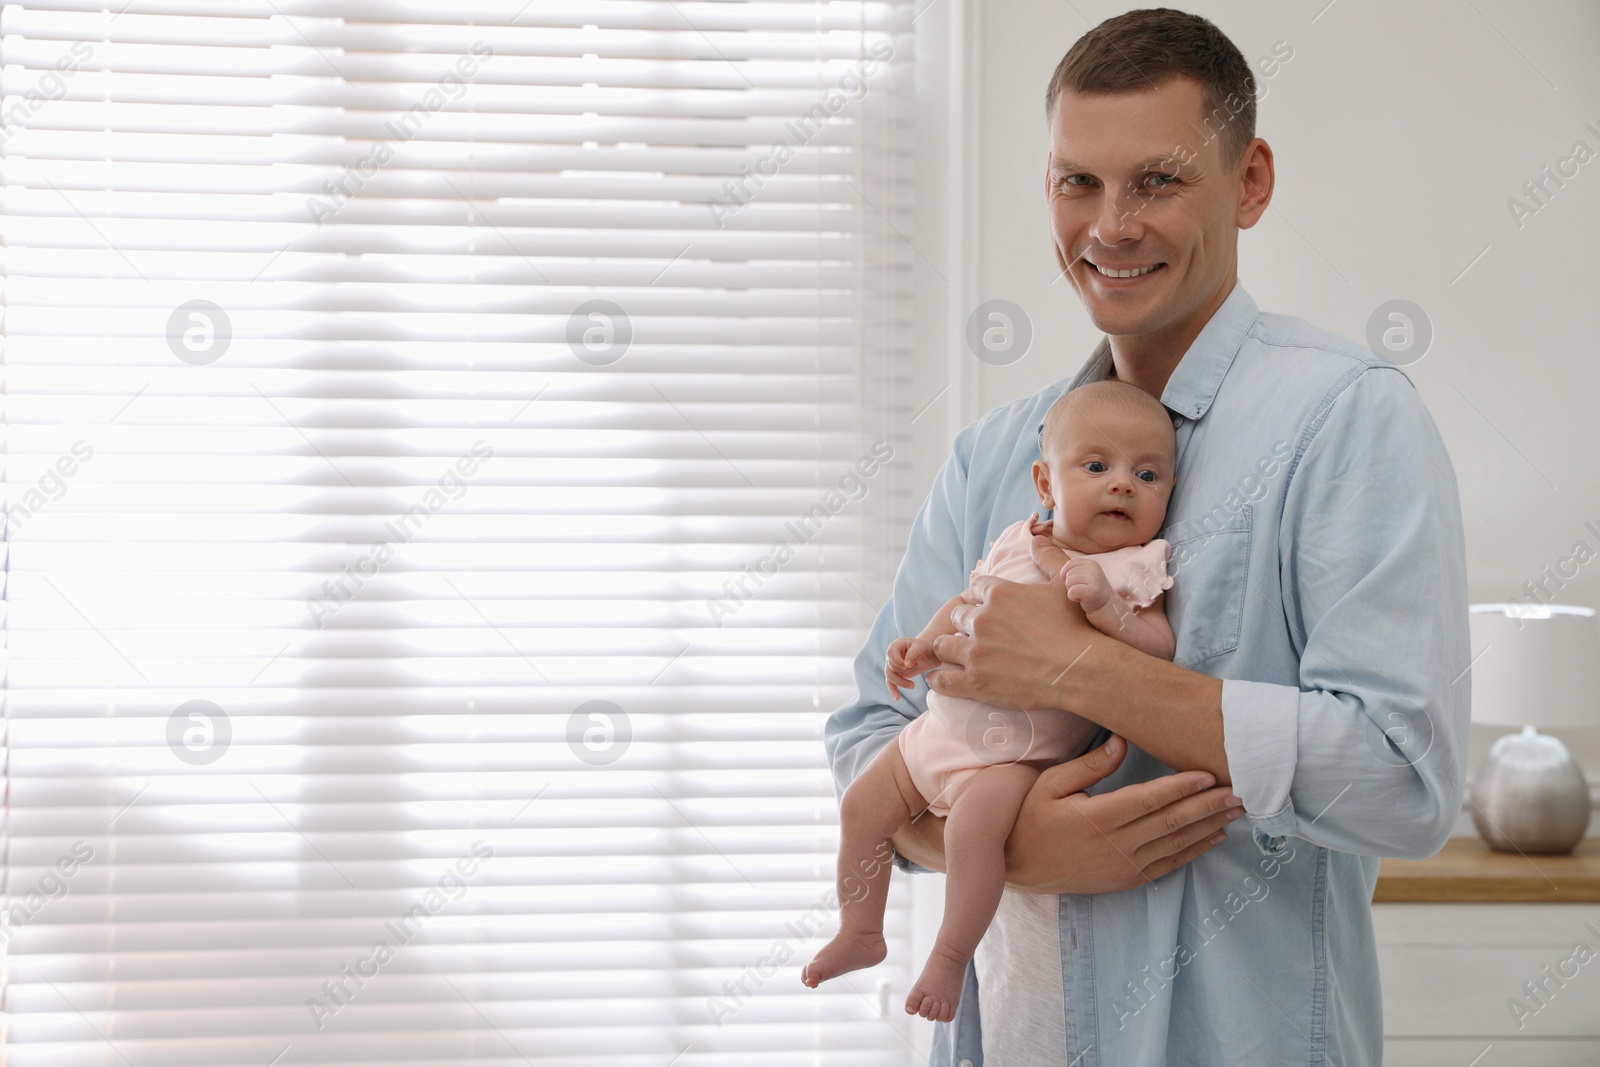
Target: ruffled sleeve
<point x="1143" y="574"/>
<point x="1014" y="540"/>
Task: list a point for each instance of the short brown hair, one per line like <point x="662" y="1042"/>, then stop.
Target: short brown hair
<point x="1145" y="49"/>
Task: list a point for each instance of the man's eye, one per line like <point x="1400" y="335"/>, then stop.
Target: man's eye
<point x="1070" y="179"/>
<point x="1092" y="464"/>
<point x="1161" y="181"/>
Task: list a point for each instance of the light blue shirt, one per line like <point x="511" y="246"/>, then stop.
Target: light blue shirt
<point x="1320" y="571"/>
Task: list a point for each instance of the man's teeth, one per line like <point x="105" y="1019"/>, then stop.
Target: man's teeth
<point x="1124" y="273"/>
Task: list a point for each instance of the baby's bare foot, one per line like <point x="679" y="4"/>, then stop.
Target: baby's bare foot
<point x="938" y="989"/>
<point x="845" y="953"/>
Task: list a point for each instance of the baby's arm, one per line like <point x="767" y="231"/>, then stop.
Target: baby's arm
<point x="1147" y="629"/>
<point x="1109" y="612"/>
<point x="910" y="656"/>
<point x="1046" y="556"/>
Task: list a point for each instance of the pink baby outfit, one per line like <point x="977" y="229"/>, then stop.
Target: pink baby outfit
<point x="956" y="737"/>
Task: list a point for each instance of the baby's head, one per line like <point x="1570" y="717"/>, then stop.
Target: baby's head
<point x="1108" y="448"/>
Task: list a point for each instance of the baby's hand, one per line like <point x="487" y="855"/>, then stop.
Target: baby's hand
<point x="1086" y="584"/>
<point x="908" y="657"/>
<point x="1042" y="550"/>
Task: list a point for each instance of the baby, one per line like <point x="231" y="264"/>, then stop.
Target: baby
<point x="1109" y="454"/>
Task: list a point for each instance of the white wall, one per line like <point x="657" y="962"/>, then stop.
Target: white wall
<point x="1399" y="132"/>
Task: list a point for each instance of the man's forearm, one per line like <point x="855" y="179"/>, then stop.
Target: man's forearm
<point x="1023" y="646"/>
<point x="1170" y="712"/>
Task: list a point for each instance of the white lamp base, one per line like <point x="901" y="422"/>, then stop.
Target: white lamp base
<point x="1530" y="795"/>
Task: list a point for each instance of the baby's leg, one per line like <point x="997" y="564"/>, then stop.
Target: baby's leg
<point x="975" y="835"/>
<point x="880" y="801"/>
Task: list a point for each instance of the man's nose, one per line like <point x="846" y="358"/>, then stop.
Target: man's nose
<point x="1118" y="219"/>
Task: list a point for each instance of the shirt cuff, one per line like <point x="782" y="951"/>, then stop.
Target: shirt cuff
<point x="1261" y="736"/>
<point x="903" y="864"/>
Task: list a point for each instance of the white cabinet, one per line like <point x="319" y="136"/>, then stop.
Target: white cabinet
<point x="1454" y="992"/>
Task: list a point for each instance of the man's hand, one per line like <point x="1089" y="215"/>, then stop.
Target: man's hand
<point x="1015" y="642"/>
<point x="1066" y="841"/>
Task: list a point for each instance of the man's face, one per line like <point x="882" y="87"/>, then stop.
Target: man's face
<point x="1133" y="184"/>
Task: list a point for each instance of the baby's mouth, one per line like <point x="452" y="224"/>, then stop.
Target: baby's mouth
<point x="1117" y="513"/>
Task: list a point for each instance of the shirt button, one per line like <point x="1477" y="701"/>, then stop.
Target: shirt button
<point x="966" y="1063"/>
<point x="1177" y="420"/>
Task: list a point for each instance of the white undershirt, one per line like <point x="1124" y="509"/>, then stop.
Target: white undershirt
<point x="1020" y="1004"/>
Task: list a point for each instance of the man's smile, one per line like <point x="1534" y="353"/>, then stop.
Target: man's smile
<point x="1123" y="272"/>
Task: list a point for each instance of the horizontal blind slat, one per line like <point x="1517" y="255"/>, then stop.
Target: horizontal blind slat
<point x="285" y="647"/>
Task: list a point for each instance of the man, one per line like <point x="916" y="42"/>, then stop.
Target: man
<point x="1319" y="603"/>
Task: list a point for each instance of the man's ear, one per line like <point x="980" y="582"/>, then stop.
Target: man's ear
<point x="1041" y="482"/>
<point x="1256" y="179"/>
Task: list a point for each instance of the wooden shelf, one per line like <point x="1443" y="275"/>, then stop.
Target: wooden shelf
<point x="1467" y="871"/>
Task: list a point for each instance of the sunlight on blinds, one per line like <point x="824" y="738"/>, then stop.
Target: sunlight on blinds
<point x="449" y="454"/>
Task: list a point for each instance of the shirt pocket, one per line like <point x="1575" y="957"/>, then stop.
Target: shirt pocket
<point x="1210" y="567"/>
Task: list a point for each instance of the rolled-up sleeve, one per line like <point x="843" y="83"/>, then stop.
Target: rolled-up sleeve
<point x="1367" y="754"/>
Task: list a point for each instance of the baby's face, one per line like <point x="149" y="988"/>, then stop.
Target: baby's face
<point x="1109" y="475"/>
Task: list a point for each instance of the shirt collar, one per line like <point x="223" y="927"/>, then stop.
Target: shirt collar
<point x="1198" y="376"/>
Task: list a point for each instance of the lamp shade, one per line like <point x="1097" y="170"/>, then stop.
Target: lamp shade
<point x="1535" y="665"/>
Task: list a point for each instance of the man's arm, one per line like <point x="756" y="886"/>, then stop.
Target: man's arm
<point x="1367" y="754"/>
<point x="1038" y="651"/>
<point x="932" y="569"/>
<point x="1084" y="844"/>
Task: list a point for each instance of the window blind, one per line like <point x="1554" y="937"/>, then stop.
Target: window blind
<point x="450" y="463"/>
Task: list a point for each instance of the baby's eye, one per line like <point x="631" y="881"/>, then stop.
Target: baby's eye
<point x="1151" y="475"/>
<point x="1092" y="464"/>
